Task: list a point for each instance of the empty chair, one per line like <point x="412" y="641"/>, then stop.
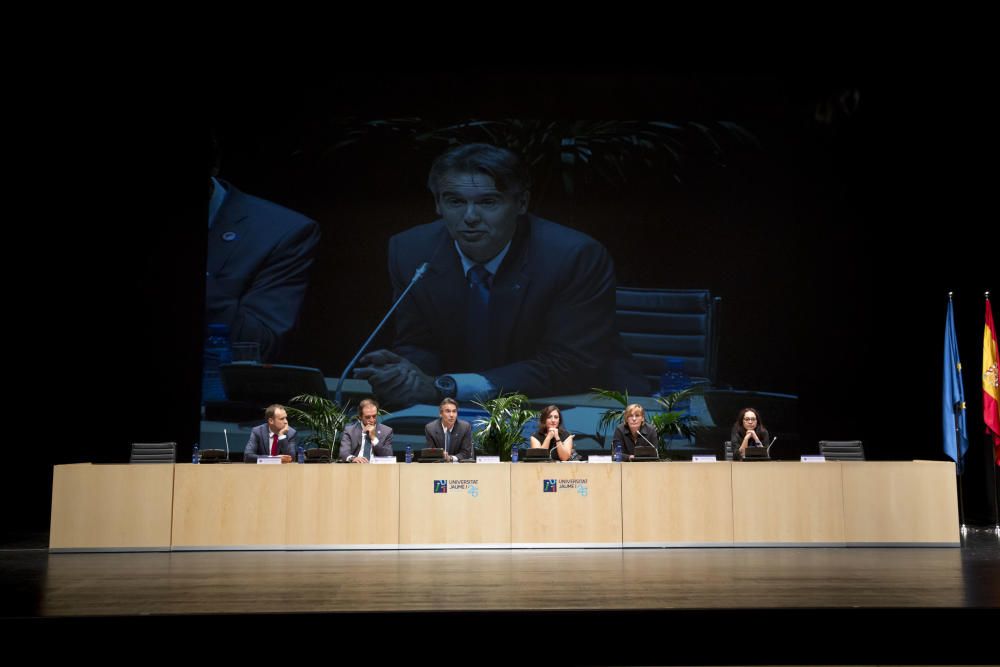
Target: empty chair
<point x="153" y="452"/>
<point x="842" y="450"/>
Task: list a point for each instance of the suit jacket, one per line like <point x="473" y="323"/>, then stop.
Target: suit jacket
<point x="551" y="311"/>
<point x="460" y="442"/>
<point x="350" y="442"/>
<point x="259" y="443"/>
<point x="259" y="256"/>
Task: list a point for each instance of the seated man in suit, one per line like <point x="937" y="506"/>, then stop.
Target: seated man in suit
<point x="366" y="435"/>
<point x="450" y="433"/>
<point x="275" y="438"/>
<point x="509" y="302"/>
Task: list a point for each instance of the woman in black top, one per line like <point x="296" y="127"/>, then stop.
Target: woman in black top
<point x="748" y="431"/>
<point x="633" y="431"/>
<point x="552" y="436"/>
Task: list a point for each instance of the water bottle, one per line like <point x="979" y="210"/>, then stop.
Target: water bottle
<point x="618" y="452"/>
<point x="409" y="454"/>
<point x="217" y="352"/>
<point x="301" y="454"/>
<point x="674" y="380"/>
<point x="196" y="454"/>
<point x="514" y="451"/>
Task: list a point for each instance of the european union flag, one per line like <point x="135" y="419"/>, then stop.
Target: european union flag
<point x="956" y="437"/>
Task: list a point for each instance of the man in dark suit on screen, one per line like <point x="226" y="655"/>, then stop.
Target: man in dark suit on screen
<point x="259" y="255"/>
<point x="510" y="301"/>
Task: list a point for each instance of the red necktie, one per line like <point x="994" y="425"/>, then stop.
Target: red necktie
<point x="274" y="445"/>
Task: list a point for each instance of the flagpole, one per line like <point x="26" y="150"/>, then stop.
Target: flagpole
<point x="963" y="529"/>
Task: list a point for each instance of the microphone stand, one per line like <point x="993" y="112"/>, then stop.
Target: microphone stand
<point x="417" y="275"/>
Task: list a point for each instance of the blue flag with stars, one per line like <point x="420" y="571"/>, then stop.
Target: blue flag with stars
<point x="956" y="437"/>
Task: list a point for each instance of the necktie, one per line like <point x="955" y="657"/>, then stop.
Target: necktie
<point x="366" y="446"/>
<point x="447" y="437"/>
<point x="477" y="320"/>
<point x="274" y="445"/>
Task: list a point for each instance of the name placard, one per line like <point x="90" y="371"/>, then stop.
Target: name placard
<point x="384" y="459"/>
<point x="600" y="458"/>
<point x="269" y="459"/>
<point x="707" y="458"/>
<point x="812" y="458"/>
<point x="487" y="459"/>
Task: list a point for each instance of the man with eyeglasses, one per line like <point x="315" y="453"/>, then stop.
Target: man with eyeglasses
<point x="510" y="301"/>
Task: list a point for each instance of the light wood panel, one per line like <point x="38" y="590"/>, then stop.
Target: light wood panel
<point x="888" y="502"/>
<point x="346" y="506"/>
<point x="585" y="509"/>
<point x="677" y="503"/>
<point x="473" y="510"/>
<point x="784" y="502"/>
<point x="111" y="506"/>
<point x="343" y="505"/>
<point x="230" y="506"/>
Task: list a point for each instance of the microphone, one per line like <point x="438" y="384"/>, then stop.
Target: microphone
<point x="225" y="434"/>
<point x="649" y="443"/>
<point x="771" y="444"/>
<point x="417" y="275"/>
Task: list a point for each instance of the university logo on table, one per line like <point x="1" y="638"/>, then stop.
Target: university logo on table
<point x="549" y="486"/>
<point x="440" y="486"/>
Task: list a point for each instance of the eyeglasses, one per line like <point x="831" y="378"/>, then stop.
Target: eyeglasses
<point x="749" y="419"/>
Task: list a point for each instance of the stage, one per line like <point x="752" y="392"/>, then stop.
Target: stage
<point x="597" y="606"/>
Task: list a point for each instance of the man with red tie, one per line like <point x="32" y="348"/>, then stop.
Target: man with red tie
<point x="275" y="438"/>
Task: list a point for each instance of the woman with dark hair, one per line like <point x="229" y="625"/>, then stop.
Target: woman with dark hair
<point x="552" y="436"/>
<point x="748" y="431"/>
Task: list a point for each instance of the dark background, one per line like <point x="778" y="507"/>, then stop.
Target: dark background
<point x="833" y="244"/>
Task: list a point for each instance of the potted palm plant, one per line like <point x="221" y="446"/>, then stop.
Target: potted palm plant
<point x="668" y="422"/>
<point x="503" y="427"/>
<point x="323" y="419"/>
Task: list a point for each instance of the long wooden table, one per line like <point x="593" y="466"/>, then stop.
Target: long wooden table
<point x="185" y="507"/>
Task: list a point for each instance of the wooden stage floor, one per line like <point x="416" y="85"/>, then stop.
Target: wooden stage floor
<point x="669" y="606"/>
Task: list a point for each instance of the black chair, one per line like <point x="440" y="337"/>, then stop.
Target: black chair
<point x="842" y="450"/>
<point x="727" y="448"/>
<point x="660" y="323"/>
<point x="153" y="452"/>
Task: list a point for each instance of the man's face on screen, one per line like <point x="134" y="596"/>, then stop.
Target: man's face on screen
<point x="478" y="216"/>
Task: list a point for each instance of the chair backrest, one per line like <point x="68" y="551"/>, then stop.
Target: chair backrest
<point x="153" y="452"/>
<point x="680" y="323"/>
<point x="842" y="450"/>
<point x="727" y="448"/>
